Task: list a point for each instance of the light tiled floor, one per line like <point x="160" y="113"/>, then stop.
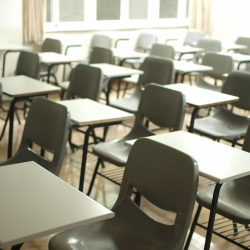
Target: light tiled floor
<point x="104" y="191"/>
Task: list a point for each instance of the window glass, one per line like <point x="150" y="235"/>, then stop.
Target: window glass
<point x="71" y="11"/>
<point x="138" y="9"/>
<point x="48" y="11"/>
<point x="108" y="10"/>
<point x="168" y="8"/>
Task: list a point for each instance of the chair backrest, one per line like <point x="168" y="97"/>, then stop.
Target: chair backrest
<point x="156" y="70"/>
<point x="162" y="50"/>
<point x="192" y="36"/>
<point x="209" y="44"/>
<point x="47" y="126"/>
<point x="101" y="55"/>
<point x="222" y="64"/>
<point x="238" y="84"/>
<point x="145" y="41"/>
<point x="162" y="106"/>
<point x="168" y="179"/>
<point x="51" y="45"/>
<point x="244" y="41"/>
<point x="100" y="40"/>
<point x="85" y="82"/>
<point x="28" y="64"/>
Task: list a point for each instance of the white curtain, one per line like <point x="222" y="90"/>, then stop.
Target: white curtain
<point x="201" y="15"/>
<point x="33" y="21"/>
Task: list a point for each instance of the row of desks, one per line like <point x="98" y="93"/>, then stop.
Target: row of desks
<point x="21" y="87"/>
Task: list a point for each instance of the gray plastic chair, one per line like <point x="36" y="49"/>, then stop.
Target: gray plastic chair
<point x="100" y="40"/>
<point x="233" y="202"/>
<point x="101" y="55"/>
<point x="162" y="50"/>
<point x="192" y="36"/>
<point x="156" y="70"/>
<point x="159" y="105"/>
<point x="47" y="126"/>
<point x="158" y="50"/>
<point x="244" y="41"/>
<point x="144" y="43"/>
<point x="167" y="178"/>
<point x="85" y="82"/>
<point x="221" y="64"/>
<point x="224" y="123"/>
<point x="98" y="55"/>
<point x="209" y="45"/>
<point x="190" y="39"/>
<point x="50" y="45"/>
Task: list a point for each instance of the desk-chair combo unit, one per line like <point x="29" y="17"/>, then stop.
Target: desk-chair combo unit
<point x="222" y="65"/>
<point x="167" y="178"/>
<point x="85" y="82"/>
<point x="97" y="55"/>
<point x="157" y="50"/>
<point x="246" y="51"/>
<point x="50" y="45"/>
<point x="161" y="106"/>
<point x="156" y="70"/>
<point x="232" y="220"/>
<point x="144" y="43"/>
<point x="46" y="130"/>
<point x="28" y="64"/>
<point x="224" y="123"/>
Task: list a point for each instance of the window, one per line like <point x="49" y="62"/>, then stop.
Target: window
<point x="168" y="8"/>
<point x="138" y="9"/>
<point x="114" y="14"/>
<point x="108" y="10"/>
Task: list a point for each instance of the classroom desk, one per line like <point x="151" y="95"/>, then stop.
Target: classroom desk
<point x="233" y="46"/>
<point x="9" y="48"/>
<point x="201" y="98"/>
<point x="122" y="55"/>
<point x="185" y="68"/>
<point x="112" y="72"/>
<point x="52" y="59"/>
<point x="92" y="114"/>
<point x="238" y="58"/>
<point x="20" y="88"/>
<point x="36" y="203"/>
<point x="183" y="50"/>
<point x="224" y="165"/>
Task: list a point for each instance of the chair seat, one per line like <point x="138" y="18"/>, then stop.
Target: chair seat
<point x="203" y="84"/>
<point x="64" y="85"/>
<point x="124" y="231"/>
<point x="128" y="104"/>
<point x="233" y="203"/>
<point x="222" y="125"/>
<point x="115" y="151"/>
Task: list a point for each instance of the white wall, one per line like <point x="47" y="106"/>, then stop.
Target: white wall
<point x="11" y="21"/>
<point x="10" y="30"/>
<point x="231" y="19"/>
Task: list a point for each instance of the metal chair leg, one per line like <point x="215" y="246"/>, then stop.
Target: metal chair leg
<point x="93" y="176"/>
